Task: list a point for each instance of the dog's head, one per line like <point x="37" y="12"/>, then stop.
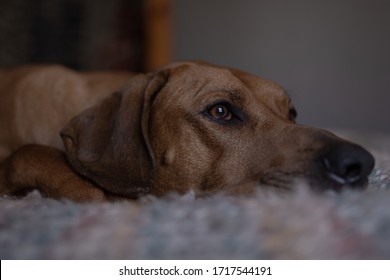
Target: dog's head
<point x="194" y="126"/>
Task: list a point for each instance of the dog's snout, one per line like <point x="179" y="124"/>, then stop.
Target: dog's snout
<point x="347" y="164"/>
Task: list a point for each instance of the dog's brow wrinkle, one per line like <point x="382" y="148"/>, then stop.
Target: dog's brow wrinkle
<point x="199" y="90"/>
<point x="235" y="94"/>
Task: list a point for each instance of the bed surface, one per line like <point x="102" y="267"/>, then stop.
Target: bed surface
<point x="300" y="225"/>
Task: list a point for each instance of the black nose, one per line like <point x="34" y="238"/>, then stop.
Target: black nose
<point x="347" y="164"/>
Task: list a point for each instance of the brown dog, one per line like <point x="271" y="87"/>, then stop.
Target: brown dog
<point x="189" y="126"/>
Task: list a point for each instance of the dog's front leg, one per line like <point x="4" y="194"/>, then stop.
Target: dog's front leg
<point x="47" y="170"/>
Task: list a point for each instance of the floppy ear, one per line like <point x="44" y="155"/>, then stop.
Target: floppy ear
<point x="109" y="142"/>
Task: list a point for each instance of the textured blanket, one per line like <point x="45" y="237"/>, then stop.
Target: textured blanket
<point x="298" y="225"/>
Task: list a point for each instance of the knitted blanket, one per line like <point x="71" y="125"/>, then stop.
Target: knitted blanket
<point x="297" y="225"/>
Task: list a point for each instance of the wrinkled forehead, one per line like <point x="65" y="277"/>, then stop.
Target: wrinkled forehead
<point x="204" y="74"/>
<point x="203" y="77"/>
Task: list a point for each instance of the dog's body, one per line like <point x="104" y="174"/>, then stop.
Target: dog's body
<point x="190" y="126"/>
<point x="37" y="102"/>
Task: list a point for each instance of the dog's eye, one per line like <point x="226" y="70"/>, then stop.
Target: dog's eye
<point x="220" y="112"/>
<point x="224" y="113"/>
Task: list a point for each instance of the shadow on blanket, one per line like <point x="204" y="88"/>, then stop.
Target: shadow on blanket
<point x="300" y="225"/>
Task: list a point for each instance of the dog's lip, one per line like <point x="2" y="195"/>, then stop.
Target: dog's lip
<point x="282" y="179"/>
<point x="318" y="181"/>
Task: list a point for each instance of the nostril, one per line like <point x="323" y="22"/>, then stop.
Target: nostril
<point x="342" y="174"/>
<point x="353" y="171"/>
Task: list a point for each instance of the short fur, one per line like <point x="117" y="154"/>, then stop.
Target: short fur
<point x="155" y="134"/>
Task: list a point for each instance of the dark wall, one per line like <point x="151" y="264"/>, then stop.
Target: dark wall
<point x="82" y="34"/>
<point x="332" y="56"/>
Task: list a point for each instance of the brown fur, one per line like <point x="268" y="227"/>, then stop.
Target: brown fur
<point x="155" y="134"/>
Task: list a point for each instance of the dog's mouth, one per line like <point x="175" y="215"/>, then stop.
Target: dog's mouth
<point x="336" y="166"/>
<point x="283" y="180"/>
<point x="287" y="181"/>
<point x="317" y="177"/>
<point x="320" y="177"/>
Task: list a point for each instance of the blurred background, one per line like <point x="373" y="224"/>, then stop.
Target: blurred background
<point x="333" y="57"/>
